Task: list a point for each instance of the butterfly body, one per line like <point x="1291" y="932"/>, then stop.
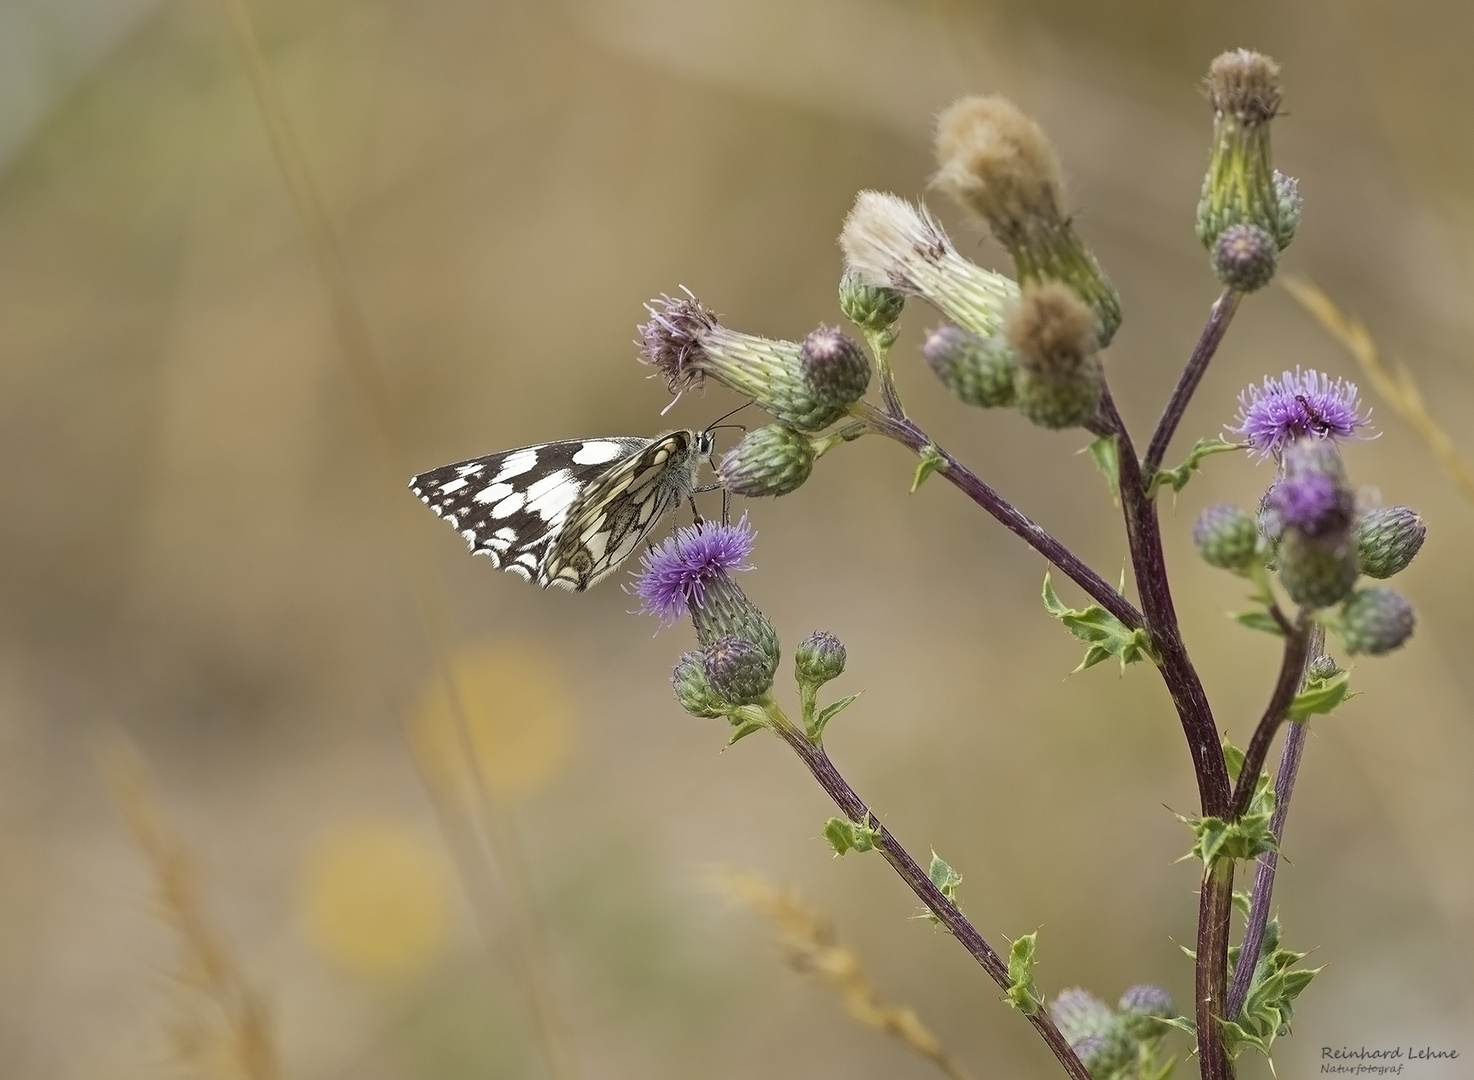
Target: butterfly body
<point x="565" y="513"/>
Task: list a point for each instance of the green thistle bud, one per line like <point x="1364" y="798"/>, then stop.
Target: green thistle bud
<point x="692" y="690"/>
<point x="1239" y="189"/>
<point x="685" y="343"/>
<point x="1376" y="621"/>
<point x="978" y="371"/>
<point x="1141" y="1007"/>
<point x="738" y="671"/>
<point x="819" y="658"/>
<point x="834" y="367"/>
<point x="998" y="163"/>
<point x="1078" y="1013"/>
<point x="875" y="309"/>
<point x="1387" y="539"/>
<point x="1245" y="258"/>
<point x="1322" y="669"/>
<point x="1289" y="204"/>
<point x="1317" y="572"/>
<point x="889" y="243"/>
<point x="725" y="611"/>
<point x="1058" y="380"/>
<point x="1227" y="538"/>
<point x="773" y="460"/>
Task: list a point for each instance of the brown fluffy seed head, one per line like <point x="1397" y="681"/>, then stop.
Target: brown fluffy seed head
<point x="1244" y="84"/>
<point x="1051" y="330"/>
<point x="998" y="163"/>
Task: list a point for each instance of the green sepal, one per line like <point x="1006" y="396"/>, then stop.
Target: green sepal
<point x="845" y="835"/>
<point x="1320" y="696"/>
<point x="931" y="461"/>
<point x="828" y="713"/>
<point x="946" y="880"/>
<point x="1177" y="478"/>
<point x="1022" y="994"/>
<point x="1258" y="619"/>
<point x="1183" y="1024"/>
<point x="741" y="729"/>
<point x="1106" y="454"/>
<point x="1248" y="837"/>
<point x="1106" y="635"/>
<point x="1269" y="1005"/>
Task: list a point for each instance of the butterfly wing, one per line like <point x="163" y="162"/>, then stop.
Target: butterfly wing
<point x="512" y="506"/>
<point x="619" y="508"/>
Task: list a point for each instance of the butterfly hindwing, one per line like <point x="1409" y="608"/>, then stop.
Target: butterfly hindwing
<point x="565" y="513"/>
<point x="510" y="506"/>
<point x="618" y="508"/>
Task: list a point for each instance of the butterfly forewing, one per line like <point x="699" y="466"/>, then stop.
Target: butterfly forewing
<point x="565" y="513"/>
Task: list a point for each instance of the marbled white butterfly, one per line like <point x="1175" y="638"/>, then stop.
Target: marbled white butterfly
<point x="566" y="513"/>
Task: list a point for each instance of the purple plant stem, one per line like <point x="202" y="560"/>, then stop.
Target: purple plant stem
<point x="906" y="432"/>
<point x="1197" y="364"/>
<point x="1149" y="564"/>
<point x="1284" y="787"/>
<point x="854" y="808"/>
<point x="1292" y="674"/>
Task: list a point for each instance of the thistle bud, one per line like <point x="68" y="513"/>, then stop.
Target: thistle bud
<point x="725" y="611"/>
<point x="1322" y="669"/>
<point x="773" y="460"/>
<point x="1141" y="1007"/>
<point x="1316" y="574"/>
<point x="738" y="671"/>
<point x="686" y="343"/>
<point x="1311" y="507"/>
<point x="834" y="367"/>
<point x="1387" y="539"/>
<point x="875" y="309"/>
<point x="1240" y="189"/>
<point x="1226" y="537"/>
<point x="1078" y="1013"/>
<point x="1095" y="1033"/>
<point x="1058" y="380"/>
<point x="978" y="371"/>
<point x="1245" y="257"/>
<point x="692" y="690"/>
<point x="1289" y="204"/>
<point x="819" y="658"/>
<point x="891" y="244"/>
<point x="1376" y="621"/>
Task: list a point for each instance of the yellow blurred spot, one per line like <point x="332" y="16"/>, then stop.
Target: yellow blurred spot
<point x="517" y="718"/>
<point x="375" y="900"/>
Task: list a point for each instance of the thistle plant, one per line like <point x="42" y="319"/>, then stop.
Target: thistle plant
<point x="1036" y="342"/>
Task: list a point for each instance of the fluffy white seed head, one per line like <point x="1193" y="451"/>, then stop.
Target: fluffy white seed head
<point x="885" y="236"/>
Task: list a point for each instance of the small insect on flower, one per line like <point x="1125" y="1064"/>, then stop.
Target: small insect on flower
<point x="1299" y="406"/>
<point x="566" y="513"/>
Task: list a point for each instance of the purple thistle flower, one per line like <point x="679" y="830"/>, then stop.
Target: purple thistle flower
<point x="674" y="575"/>
<point x="1303" y="405"/>
<point x="671" y="342"/>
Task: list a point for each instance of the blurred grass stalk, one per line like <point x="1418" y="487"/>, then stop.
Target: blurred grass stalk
<point x="223" y="1030"/>
<point x="1396" y="386"/>
<point x="811" y="947"/>
<point x="480" y="831"/>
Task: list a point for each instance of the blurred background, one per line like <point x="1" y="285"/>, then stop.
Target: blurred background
<point x="201" y="548"/>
